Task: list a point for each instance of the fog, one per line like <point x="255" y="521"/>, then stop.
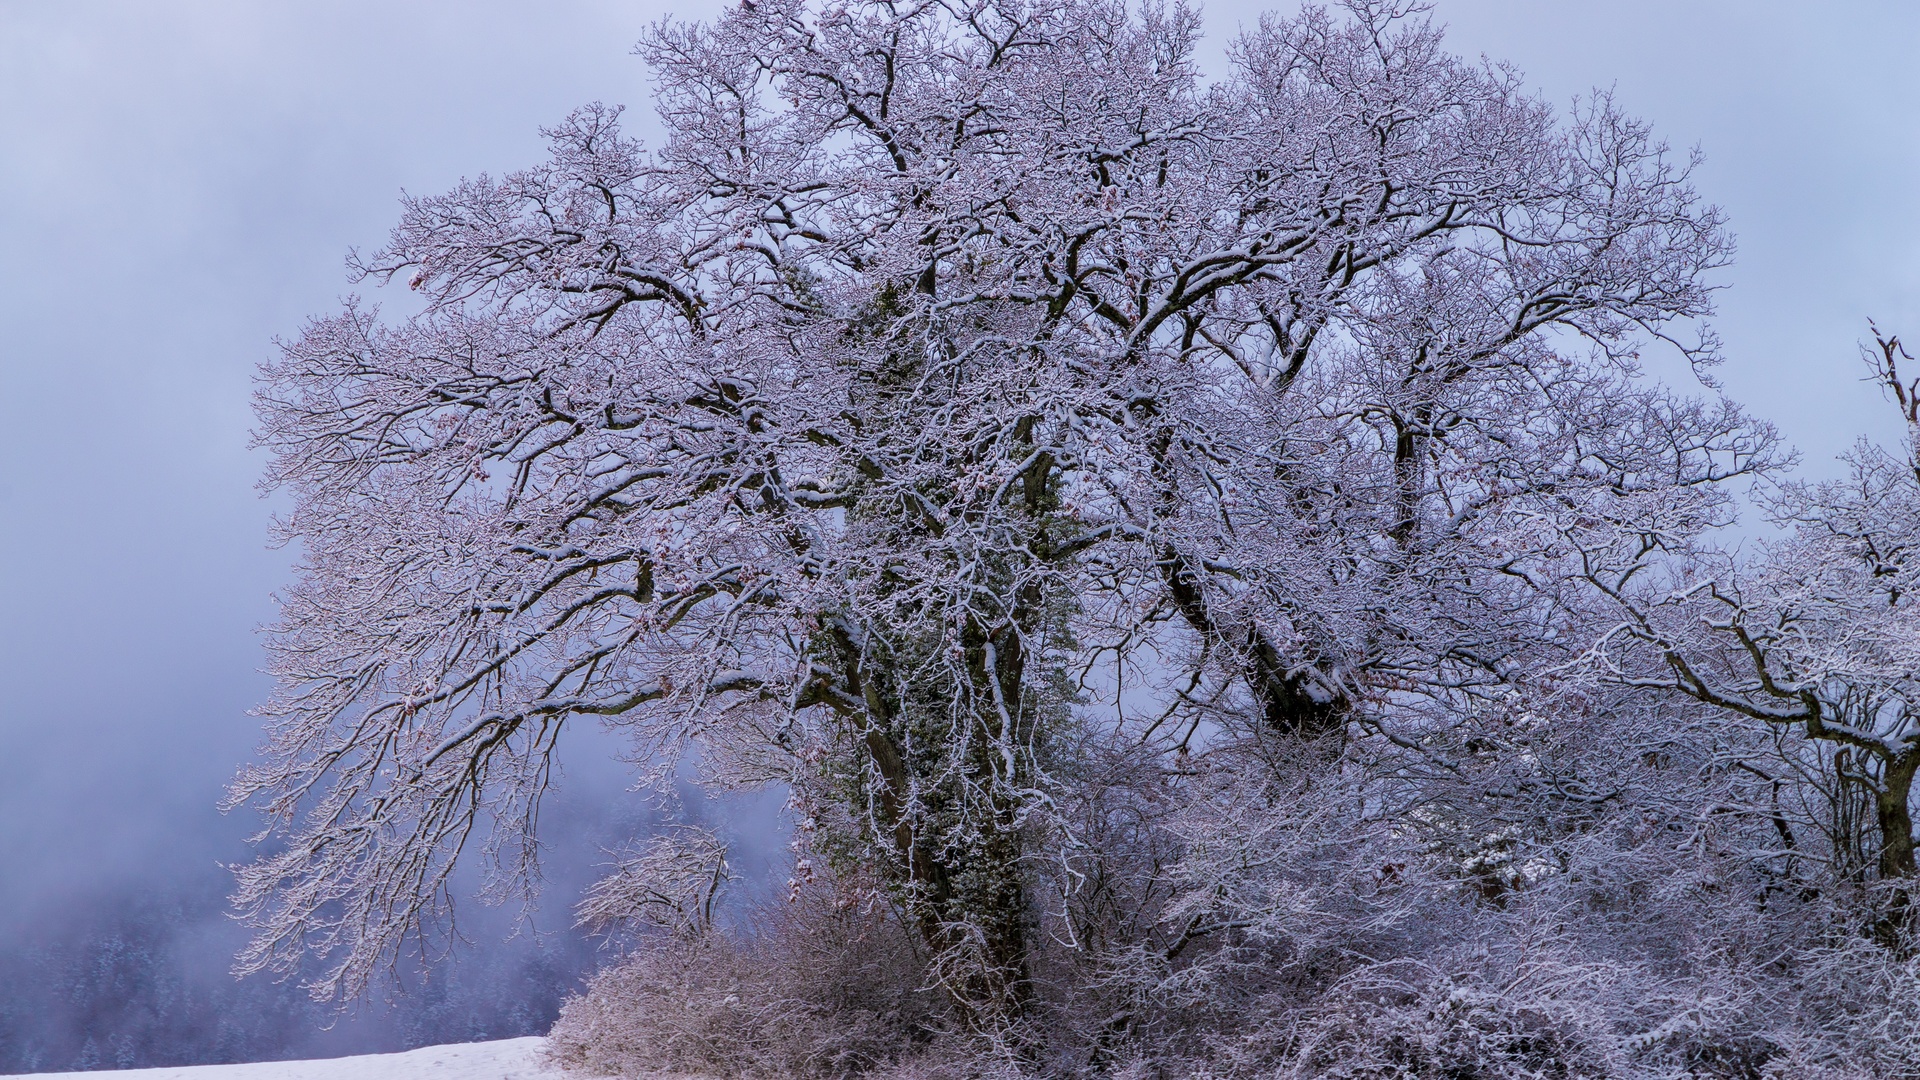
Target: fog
<point x="179" y="184"/>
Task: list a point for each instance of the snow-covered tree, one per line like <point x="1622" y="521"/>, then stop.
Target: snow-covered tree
<point x="1817" y="636"/>
<point x="957" y="387"/>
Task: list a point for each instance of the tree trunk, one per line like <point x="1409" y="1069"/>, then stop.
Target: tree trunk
<point x="1892" y="808"/>
<point x="968" y="899"/>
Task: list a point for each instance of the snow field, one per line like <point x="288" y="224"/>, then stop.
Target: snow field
<point x="503" y="1059"/>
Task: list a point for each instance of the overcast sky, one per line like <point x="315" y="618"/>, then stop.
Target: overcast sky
<point x="179" y="183"/>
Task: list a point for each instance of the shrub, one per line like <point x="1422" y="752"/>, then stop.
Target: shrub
<point x="830" y="985"/>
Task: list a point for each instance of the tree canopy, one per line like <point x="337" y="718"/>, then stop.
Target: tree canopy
<point x="1066" y="474"/>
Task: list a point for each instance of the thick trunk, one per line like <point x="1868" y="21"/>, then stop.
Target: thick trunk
<point x="1893" y="810"/>
<point x="969" y="900"/>
<point x="1891" y="806"/>
<point x="968" y="893"/>
<point x="993" y="895"/>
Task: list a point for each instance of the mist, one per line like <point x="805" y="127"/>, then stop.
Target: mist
<point x="181" y="183"/>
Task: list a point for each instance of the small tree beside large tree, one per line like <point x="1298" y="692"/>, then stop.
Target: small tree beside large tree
<point x="1817" y="637"/>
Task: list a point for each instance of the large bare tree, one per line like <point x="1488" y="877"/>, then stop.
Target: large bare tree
<point x="955" y="376"/>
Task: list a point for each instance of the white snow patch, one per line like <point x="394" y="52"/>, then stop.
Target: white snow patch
<point x="505" y="1059"/>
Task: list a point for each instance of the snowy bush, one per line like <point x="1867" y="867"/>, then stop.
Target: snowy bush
<point x="823" y="988"/>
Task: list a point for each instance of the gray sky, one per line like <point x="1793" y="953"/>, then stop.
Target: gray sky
<point x="179" y="182"/>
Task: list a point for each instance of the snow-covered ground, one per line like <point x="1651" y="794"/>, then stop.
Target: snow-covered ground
<point x="506" y="1059"/>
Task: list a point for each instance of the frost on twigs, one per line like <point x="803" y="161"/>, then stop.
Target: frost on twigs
<point x="827" y="984"/>
<point x="671" y="885"/>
